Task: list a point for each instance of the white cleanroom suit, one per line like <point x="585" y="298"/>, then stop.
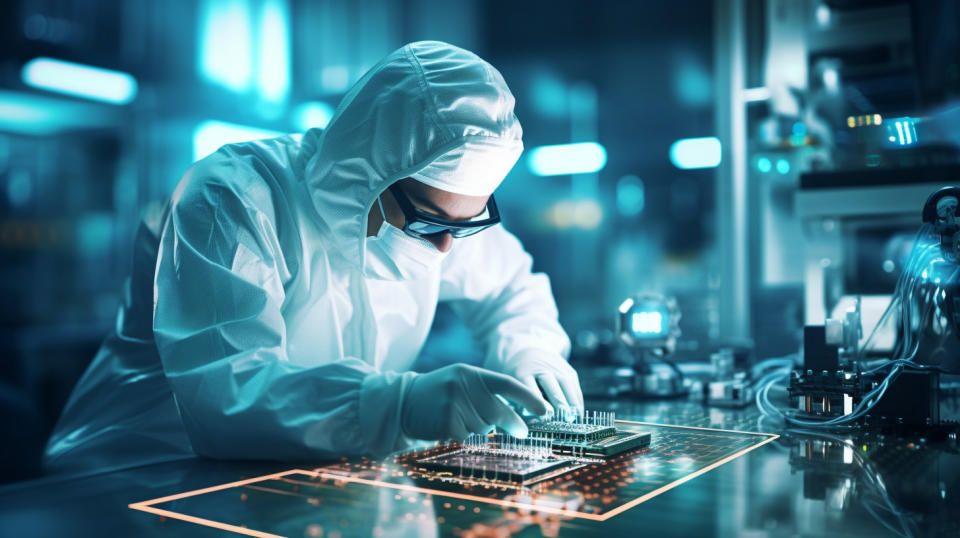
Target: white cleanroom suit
<point x="253" y="326"/>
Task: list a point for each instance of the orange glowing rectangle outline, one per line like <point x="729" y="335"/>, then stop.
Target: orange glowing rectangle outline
<point x="148" y="506"/>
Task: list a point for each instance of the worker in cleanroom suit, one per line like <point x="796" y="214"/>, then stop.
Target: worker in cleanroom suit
<point x="277" y="305"/>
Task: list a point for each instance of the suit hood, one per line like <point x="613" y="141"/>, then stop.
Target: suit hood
<point x="429" y="110"/>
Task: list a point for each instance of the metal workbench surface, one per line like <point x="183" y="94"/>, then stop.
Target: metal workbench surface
<point x="797" y="484"/>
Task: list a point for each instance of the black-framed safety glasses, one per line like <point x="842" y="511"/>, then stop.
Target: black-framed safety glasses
<point x="421" y="224"/>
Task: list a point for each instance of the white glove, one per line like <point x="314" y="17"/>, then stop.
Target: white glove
<point x="457" y="400"/>
<point x="547" y="372"/>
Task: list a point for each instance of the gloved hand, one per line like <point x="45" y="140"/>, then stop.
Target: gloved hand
<point x="547" y="372"/>
<point x="455" y="401"/>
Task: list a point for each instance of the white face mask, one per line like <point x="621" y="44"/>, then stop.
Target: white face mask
<point x="394" y="255"/>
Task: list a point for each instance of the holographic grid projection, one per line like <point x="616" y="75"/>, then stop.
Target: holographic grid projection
<point x="369" y="497"/>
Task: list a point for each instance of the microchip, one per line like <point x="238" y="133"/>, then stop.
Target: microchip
<point x="579" y="439"/>
<point x="493" y="466"/>
<point x="562" y="431"/>
<point x="615" y="444"/>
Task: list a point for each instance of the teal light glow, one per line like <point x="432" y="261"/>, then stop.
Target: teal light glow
<point x="690" y="153"/>
<point x="799" y="136"/>
<point x="692" y="83"/>
<point x="563" y="159"/>
<point x="226" y="50"/>
<point x="209" y="135"/>
<point x="902" y="130"/>
<point x="312" y="114"/>
<point x="646" y="323"/>
<point x="631" y="196"/>
<point x="94" y="232"/>
<point x="764" y="165"/>
<point x="30" y="114"/>
<point x="783" y="166"/>
<point x="106" y="85"/>
<point x="273" y="60"/>
<point x="549" y="95"/>
<point x="19" y="187"/>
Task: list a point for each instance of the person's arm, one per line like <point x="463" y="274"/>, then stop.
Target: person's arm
<point x="221" y="335"/>
<point x="487" y="280"/>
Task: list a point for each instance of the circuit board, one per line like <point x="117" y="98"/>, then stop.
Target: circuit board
<point x="305" y="501"/>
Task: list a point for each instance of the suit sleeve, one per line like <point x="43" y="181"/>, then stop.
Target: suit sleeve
<point x="488" y="281"/>
<point x="221" y="337"/>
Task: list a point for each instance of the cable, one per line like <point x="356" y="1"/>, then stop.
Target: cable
<point x="908" y="273"/>
<point x="915" y="300"/>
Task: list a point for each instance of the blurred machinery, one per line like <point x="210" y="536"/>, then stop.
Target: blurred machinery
<point x="854" y="130"/>
<point x="728" y="387"/>
<point x="649" y="325"/>
<point x="846" y="381"/>
<point x="641" y="360"/>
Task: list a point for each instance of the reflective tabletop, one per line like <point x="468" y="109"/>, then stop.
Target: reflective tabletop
<point x="739" y="483"/>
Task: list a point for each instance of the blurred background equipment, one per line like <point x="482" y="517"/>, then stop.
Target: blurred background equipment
<point x="845" y="383"/>
<point x="649" y="324"/>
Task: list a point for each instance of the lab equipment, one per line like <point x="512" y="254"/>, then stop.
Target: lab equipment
<point x="649" y="325"/>
<point x="728" y="387"/>
<point x="942" y="212"/>
<point x="840" y="386"/>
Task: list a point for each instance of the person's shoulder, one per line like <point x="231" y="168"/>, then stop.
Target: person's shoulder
<point x="249" y="165"/>
<point x="249" y="172"/>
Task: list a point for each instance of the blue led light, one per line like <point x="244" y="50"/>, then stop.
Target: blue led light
<point x="646" y="323"/>
<point x="764" y="165"/>
<point x="209" y="135"/>
<point x="564" y="159"/>
<point x="783" y="166"/>
<point x="106" y="85"/>
<point x="902" y="131"/>
<point x="689" y="153"/>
